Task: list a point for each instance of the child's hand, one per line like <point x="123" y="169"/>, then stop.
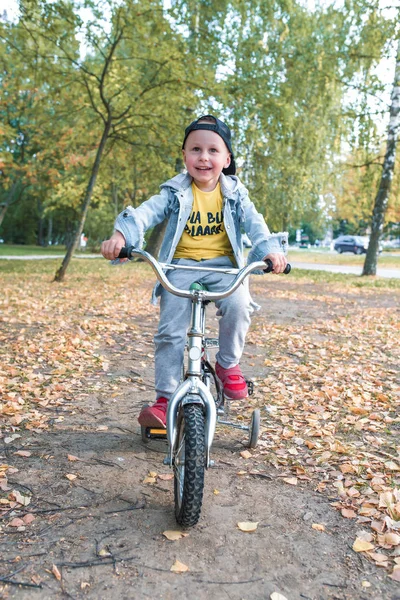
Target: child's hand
<point x="112" y="247"/>
<point x="278" y="260"/>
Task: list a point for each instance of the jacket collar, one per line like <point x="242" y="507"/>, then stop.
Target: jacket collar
<point x="181" y="182"/>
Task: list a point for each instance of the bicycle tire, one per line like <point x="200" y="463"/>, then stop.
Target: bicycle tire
<point x="189" y="465"/>
<point x="254" y="428"/>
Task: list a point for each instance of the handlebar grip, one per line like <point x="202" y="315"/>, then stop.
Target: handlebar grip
<point x="270" y="268"/>
<point x="125" y="252"/>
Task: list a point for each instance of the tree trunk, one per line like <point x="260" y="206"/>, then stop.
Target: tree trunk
<point x="40" y="236"/>
<point x="49" y="239"/>
<point x="114" y="194"/>
<point x="60" y="273"/>
<point x="154" y="244"/>
<point x="382" y="197"/>
<point x="3" y="210"/>
<point x="13" y="195"/>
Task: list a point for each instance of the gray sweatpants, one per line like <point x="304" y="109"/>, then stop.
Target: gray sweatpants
<point x="234" y="312"/>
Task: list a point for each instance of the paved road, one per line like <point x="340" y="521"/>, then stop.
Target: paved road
<point x="349" y="269"/>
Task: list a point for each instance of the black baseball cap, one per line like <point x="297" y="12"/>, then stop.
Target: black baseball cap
<point x="214" y="124"/>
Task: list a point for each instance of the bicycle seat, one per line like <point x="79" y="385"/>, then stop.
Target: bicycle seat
<point x="196" y="285"/>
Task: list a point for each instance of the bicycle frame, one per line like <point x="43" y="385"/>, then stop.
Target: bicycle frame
<point x="193" y="385"/>
<point x="193" y="390"/>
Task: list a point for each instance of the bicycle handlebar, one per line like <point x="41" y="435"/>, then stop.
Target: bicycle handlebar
<point x="130" y="251"/>
<point x="270" y="267"/>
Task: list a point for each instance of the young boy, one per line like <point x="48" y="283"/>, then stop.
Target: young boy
<point x="207" y="208"/>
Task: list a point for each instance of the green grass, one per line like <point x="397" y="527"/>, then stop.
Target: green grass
<point x="30" y="250"/>
<point x="329" y="258"/>
<point x="85" y="270"/>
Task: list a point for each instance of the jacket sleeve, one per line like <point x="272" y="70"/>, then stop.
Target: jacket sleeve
<point x="134" y="222"/>
<point x="263" y="241"/>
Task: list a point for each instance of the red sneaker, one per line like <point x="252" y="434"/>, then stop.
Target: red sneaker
<point x="233" y="382"/>
<point x="156" y="415"/>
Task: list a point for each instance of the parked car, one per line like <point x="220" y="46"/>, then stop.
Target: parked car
<point x="352" y="243"/>
<point x="391" y="244"/>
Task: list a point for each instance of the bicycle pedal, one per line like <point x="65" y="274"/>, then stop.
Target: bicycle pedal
<point x="154" y="433"/>
<point x="250" y="387"/>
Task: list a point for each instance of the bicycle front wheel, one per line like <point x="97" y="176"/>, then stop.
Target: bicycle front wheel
<point x="189" y="464"/>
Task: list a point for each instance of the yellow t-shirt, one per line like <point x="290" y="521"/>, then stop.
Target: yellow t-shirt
<point x="204" y="235"/>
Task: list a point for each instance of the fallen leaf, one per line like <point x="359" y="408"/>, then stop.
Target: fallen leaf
<point x="247" y="526"/>
<point x="20" y="498"/>
<point x="216" y="492"/>
<point x="56" y="573"/>
<point x="393" y="539"/>
<point x="149" y="480"/>
<point x="71" y="476"/>
<point x="362" y="546"/>
<point x="152" y="474"/>
<point x="346" y="468"/>
<point x="166" y="476"/>
<point x="290" y="480"/>
<point x="84" y="584"/>
<point x="16" y="522"/>
<point x="179" y="567"/>
<point x="27" y="519"/>
<point x="277" y="596"/>
<point x="347" y="513"/>
<point x="174" y="535"/>
<point x="318" y="526"/>
<point x="366" y="536"/>
<point x="392" y="466"/>
<point x="378" y="557"/>
<point x="72" y="458"/>
<point x="10" y="439"/>
<point x="246" y="454"/>
<point x="24" y="453"/>
<point x="378" y="526"/>
<point x="396" y="573"/>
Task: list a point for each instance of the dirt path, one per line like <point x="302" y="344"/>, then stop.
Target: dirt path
<point x="103" y="529"/>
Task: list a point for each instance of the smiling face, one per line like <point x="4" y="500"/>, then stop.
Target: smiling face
<point x="205" y="155"/>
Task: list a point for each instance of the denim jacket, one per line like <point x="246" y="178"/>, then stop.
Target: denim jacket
<point x="174" y="202"/>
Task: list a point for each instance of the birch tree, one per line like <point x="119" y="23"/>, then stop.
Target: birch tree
<point x="382" y="197"/>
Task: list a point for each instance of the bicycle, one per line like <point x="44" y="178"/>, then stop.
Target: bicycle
<point x="194" y="410"/>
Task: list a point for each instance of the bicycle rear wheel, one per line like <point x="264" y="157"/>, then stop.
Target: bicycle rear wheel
<point x="189" y="464"/>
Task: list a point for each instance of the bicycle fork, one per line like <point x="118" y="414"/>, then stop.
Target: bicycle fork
<point x="193" y="390"/>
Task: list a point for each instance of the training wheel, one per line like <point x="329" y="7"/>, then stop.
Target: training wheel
<point x="254" y="429"/>
<point x="145" y="438"/>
